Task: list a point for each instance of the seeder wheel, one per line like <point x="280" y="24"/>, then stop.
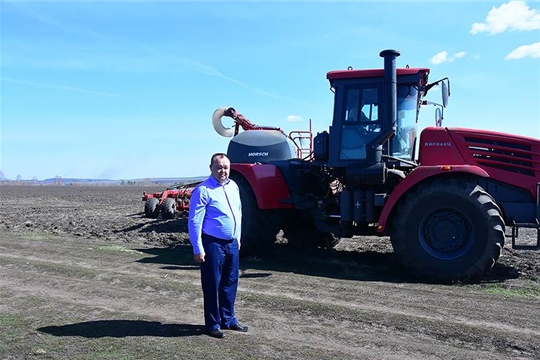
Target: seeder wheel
<point x="168" y="208"/>
<point x="151" y="209"/>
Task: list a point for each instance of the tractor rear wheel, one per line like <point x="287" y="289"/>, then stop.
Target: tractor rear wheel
<point x="151" y="209"/>
<point x="449" y="230"/>
<point x="259" y="227"/>
<point x="168" y="208"/>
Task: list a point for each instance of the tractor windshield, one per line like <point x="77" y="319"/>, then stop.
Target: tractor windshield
<point x="407" y="112"/>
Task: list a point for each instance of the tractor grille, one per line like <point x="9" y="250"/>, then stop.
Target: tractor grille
<point x="503" y="155"/>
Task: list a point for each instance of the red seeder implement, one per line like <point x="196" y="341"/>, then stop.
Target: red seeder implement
<point x="169" y="202"/>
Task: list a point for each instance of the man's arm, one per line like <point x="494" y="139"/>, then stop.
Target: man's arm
<point x="239" y="217"/>
<point x="197" y="212"/>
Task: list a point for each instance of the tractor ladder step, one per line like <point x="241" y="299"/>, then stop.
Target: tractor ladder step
<point x="533" y="225"/>
<point x="515" y="234"/>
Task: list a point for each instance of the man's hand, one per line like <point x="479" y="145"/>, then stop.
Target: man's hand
<point x="199" y="258"/>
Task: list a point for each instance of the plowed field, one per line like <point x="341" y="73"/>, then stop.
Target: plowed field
<point x="84" y="275"/>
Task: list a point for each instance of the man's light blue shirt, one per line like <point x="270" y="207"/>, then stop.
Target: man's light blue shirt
<point x="214" y="209"/>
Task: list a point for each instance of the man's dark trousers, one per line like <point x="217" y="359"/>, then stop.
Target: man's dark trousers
<point x="219" y="277"/>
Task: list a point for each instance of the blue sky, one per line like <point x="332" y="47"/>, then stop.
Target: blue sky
<point x="126" y="90"/>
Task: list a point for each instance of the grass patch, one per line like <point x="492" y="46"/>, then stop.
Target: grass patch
<point x="118" y="248"/>
<point x="527" y="290"/>
<point x="7" y="321"/>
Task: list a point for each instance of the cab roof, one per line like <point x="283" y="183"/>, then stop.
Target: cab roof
<point x="369" y="73"/>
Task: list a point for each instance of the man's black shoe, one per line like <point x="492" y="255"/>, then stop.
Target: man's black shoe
<point x="217" y="333"/>
<point x="238" y="327"/>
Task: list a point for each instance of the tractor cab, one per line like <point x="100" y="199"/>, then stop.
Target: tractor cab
<point x="369" y="120"/>
<point x="375" y="119"/>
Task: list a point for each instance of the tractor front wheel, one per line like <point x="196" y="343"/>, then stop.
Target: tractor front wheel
<point x="259" y="227"/>
<point x="449" y="230"/>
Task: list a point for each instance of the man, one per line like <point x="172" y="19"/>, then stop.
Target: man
<point x="214" y="223"/>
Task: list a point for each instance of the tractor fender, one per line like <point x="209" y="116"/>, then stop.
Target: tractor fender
<point x="417" y="176"/>
<point x="267" y="183"/>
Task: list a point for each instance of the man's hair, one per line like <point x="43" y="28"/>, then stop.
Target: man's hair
<point x="218" y="155"/>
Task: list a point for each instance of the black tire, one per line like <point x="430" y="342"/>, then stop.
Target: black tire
<point x="151" y="209"/>
<point x="302" y="233"/>
<point x="448" y="231"/>
<point x="259" y="227"/>
<point x="168" y="209"/>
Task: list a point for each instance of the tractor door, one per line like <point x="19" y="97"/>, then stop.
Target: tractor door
<point x="360" y="123"/>
<point x="357" y="123"/>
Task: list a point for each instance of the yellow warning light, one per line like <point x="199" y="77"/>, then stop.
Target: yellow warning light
<point x="446" y="167"/>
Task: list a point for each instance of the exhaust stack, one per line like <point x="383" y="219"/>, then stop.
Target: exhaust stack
<point x="390" y="87"/>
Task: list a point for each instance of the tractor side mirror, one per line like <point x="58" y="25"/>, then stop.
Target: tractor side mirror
<point x="445" y="89"/>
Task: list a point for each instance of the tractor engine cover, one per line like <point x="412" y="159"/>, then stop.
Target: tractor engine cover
<point x="260" y="146"/>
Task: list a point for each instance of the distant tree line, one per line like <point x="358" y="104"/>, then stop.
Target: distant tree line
<point x="20" y="181"/>
<point x="59" y="181"/>
<point x="129" y="182"/>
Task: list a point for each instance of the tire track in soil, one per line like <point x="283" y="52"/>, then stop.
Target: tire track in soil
<point x="309" y="314"/>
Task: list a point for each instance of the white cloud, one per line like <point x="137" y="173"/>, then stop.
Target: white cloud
<point x="294" y="118"/>
<point x="524" y="51"/>
<point x="440" y="58"/>
<point x="443" y="57"/>
<point x="514" y="15"/>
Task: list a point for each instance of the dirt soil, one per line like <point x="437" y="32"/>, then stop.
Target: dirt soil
<point x="84" y="275"/>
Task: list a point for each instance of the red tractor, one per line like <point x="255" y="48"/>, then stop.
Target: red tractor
<point x="445" y="198"/>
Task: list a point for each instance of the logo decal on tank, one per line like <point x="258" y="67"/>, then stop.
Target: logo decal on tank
<point x="260" y="153"/>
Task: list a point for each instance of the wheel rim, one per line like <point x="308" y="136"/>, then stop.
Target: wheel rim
<point x="446" y="234"/>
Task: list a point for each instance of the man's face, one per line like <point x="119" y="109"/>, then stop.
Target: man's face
<point x="220" y="169"/>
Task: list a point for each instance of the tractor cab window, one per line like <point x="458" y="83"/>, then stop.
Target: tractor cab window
<point x="362" y="106"/>
<point x="361" y="123"/>
<point x="406" y="127"/>
<point x="351" y="114"/>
